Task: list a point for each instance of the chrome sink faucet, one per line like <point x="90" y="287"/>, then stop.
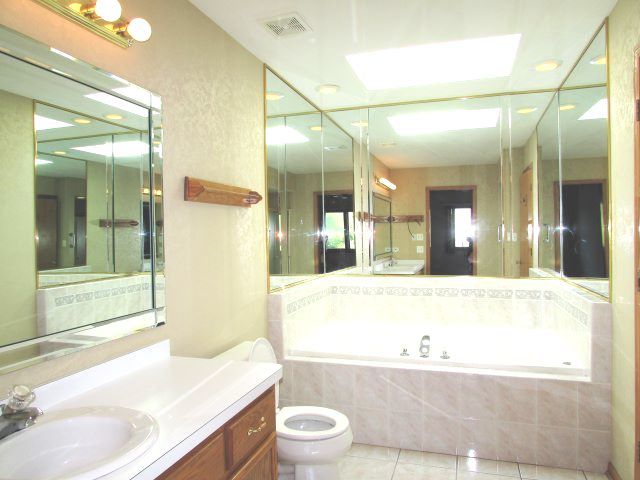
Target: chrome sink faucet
<point x="16" y="414"/>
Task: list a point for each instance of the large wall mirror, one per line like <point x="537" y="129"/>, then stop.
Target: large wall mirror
<point x="81" y="153"/>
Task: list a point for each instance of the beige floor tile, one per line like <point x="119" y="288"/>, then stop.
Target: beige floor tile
<point x="371" y="451"/>
<point x="534" y="472"/>
<point x="596" y="476"/>
<point x="464" y="475"/>
<point x="409" y="471"/>
<point x="479" y="465"/>
<point x="355" y="468"/>
<point x="428" y="459"/>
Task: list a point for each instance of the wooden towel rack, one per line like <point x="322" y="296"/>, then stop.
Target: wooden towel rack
<point x="203" y="191"/>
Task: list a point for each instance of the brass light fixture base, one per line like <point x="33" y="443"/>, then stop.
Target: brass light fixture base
<point x="83" y="13"/>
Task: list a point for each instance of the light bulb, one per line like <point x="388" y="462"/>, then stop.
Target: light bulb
<point x="139" y="29"/>
<point x="109" y="10"/>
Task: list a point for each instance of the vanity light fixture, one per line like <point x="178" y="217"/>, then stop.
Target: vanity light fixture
<point x="599" y="60"/>
<point x="82" y="121"/>
<point x="360" y="124"/>
<point x="567" y="106"/>
<point x="104" y="18"/>
<point x="273" y="96"/>
<point x="421" y="123"/>
<point x="548" y="65"/>
<point x="599" y="110"/>
<point x="386" y="183"/>
<point x="113" y="116"/>
<point x="63" y="54"/>
<point x="59" y="152"/>
<point x="526" y="110"/>
<point x="328" y="89"/>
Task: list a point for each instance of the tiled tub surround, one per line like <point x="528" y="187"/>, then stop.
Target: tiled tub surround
<point x="475" y="403"/>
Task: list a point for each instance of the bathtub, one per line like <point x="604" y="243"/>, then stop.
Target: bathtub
<point x="527" y="378"/>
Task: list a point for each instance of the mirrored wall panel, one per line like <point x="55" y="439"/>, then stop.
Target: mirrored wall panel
<point x="81" y="196"/>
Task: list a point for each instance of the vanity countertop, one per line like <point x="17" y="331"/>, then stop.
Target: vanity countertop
<point x="190" y="398"/>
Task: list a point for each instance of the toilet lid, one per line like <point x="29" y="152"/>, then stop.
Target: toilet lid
<point x="262" y="352"/>
<point x="310" y="423"/>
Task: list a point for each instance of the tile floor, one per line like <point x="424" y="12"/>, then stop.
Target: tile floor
<point x="366" y="462"/>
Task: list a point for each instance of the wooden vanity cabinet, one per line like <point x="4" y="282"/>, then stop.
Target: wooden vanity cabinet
<point x="243" y="449"/>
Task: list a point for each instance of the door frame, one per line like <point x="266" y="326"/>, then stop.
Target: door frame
<point x="474" y="212"/>
<point x="636" y="251"/>
<point x="316" y="198"/>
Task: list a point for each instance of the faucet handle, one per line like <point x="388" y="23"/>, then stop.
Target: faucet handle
<point x="20" y="397"/>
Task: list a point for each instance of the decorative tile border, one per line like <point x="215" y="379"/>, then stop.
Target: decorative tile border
<point x="300" y="303"/>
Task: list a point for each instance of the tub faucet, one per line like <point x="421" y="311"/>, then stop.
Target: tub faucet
<point x="16" y="414"/>
<point x="425" y="346"/>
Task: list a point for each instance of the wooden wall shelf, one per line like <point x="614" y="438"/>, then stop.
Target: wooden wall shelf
<point x="203" y="191"/>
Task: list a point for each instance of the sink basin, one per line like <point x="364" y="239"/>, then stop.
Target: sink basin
<point x="77" y="444"/>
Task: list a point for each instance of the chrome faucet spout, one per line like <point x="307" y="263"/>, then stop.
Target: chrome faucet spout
<point x="16" y="414"/>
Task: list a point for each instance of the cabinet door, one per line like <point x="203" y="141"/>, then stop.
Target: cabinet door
<point x="263" y="464"/>
<point x="205" y="462"/>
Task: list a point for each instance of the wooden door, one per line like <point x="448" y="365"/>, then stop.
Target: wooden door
<point x="47" y="227"/>
<point x="526" y="221"/>
<point x="263" y="465"/>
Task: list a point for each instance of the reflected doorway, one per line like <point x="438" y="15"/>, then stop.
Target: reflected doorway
<point x="336" y="246"/>
<point x="47" y="228"/>
<point x="451" y="241"/>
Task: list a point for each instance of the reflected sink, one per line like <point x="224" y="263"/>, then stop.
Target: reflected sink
<point x="77" y="444"/>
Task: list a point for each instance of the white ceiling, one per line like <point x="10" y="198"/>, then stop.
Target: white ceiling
<point x="551" y="29"/>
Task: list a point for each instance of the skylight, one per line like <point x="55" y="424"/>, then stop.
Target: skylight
<point x="119" y="103"/>
<point x="122" y="149"/>
<point x="283" y="135"/>
<point x="457" y="61"/>
<point x="421" y="123"/>
<point x="44" y="123"/>
<point x="600" y="109"/>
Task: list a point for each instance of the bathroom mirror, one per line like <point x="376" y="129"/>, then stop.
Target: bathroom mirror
<point x="382" y="226"/>
<point x="81" y="152"/>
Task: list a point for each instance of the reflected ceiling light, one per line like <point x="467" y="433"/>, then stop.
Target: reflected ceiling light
<point x="599" y="60"/>
<point x="113" y="116"/>
<point x="360" y="124"/>
<point x="386" y="183"/>
<point x="567" y="106"/>
<point x="131" y="148"/>
<point x="82" y="121"/>
<point x="548" y="65"/>
<point x="333" y="148"/>
<point x="444" y="121"/>
<point x="283" y="135"/>
<point x="62" y="54"/>
<point x="316" y="128"/>
<point x="43" y="123"/>
<point x="59" y="152"/>
<point x="40" y="161"/>
<point x="328" y="89"/>
<point x="526" y="110"/>
<point x="388" y="144"/>
<point x="457" y="61"/>
<point x="139" y="29"/>
<point x="109" y="10"/>
<point x="273" y="96"/>
<point x="599" y="110"/>
<point x="119" y="103"/>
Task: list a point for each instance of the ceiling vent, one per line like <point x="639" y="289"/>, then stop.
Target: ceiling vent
<point x="286" y="25"/>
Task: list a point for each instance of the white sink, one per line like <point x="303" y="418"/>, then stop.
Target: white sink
<point x="77" y="444"/>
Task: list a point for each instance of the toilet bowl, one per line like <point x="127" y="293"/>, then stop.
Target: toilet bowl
<point x="311" y="440"/>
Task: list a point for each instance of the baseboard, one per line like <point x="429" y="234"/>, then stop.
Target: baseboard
<point x="613" y="473"/>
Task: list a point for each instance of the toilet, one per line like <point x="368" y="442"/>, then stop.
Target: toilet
<point x="311" y="440"/>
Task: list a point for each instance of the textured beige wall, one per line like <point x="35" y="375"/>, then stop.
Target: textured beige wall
<point x="211" y="90"/>
<point x="410" y="199"/>
<point x="624" y="37"/>
<point x="17" y="256"/>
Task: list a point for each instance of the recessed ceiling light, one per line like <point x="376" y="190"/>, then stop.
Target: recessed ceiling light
<point x="444" y="121"/>
<point x="328" y="89"/>
<point x="599" y="60"/>
<point x="40" y="161"/>
<point x="446" y="62"/>
<point x="113" y="116"/>
<point x="548" y="65"/>
<point x="360" y="124"/>
<point x="44" y="123"/>
<point x="82" y="121"/>
<point x="567" y="106"/>
<point x="599" y="110"/>
<point x="59" y="152"/>
<point x="316" y="128"/>
<point x="282" y="135"/>
<point x="118" y="103"/>
<point x="273" y="96"/>
<point x="121" y="149"/>
<point x="526" y="110"/>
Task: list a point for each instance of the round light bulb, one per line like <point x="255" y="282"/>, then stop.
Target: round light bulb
<point x="109" y="10"/>
<point x="139" y="29"/>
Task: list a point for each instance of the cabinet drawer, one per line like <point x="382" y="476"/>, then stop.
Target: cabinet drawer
<point x="262" y="465"/>
<point x="250" y="428"/>
<point x="206" y="461"/>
